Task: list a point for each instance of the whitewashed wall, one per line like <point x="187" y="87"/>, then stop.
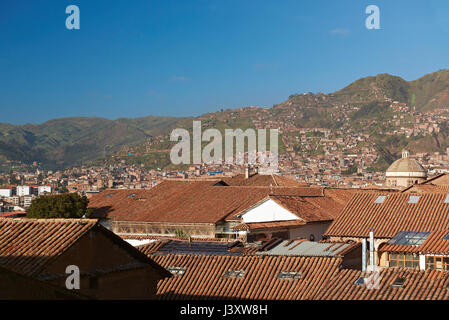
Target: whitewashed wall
<point x="268" y="211"/>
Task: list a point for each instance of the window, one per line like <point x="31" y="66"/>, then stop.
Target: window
<point x="284" y="275"/>
<point x="177" y="271"/>
<point x="411" y="238"/>
<point x="399" y="282"/>
<point x="132" y="195"/>
<point x="447" y="199"/>
<point x="437" y="263"/>
<point x="380" y="199"/>
<point x="403" y="260"/>
<point x="109" y="195"/>
<point x="234" y="274"/>
<point x="413" y="199"/>
<point x="360" y="281"/>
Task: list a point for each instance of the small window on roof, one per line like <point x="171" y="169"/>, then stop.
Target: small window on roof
<point x="446" y="237"/>
<point x="285" y="275"/>
<point x="177" y="271"/>
<point x="234" y="274"/>
<point x="413" y="199"/>
<point x="109" y="195"/>
<point x="399" y="282"/>
<point x="380" y="199"/>
<point x="360" y="281"/>
<point x="132" y="195"/>
<point x="447" y="199"/>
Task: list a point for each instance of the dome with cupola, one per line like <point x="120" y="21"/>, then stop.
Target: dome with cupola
<point x="405" y="172"/>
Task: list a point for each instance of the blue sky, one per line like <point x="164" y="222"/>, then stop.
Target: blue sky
<point x="188" y="57"/>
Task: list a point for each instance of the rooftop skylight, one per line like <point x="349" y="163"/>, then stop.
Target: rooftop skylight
<point x="380" y="199"/>
<point x="284" y="275"/>
<point x="410" y="238"/>
<point x="177" y="271"/>
<point x="234" y="274"/>
<point x="399" y="282"/>
<point x="447" y="199"/>
<point x="413" y="199"/>
<point x="360" y="281"/>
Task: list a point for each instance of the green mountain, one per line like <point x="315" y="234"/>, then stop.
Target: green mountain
<point x="426" y="93"/>
<point x="72" y="141"/>
<point x="380" y="87"/>
<point x="431" y="91"/>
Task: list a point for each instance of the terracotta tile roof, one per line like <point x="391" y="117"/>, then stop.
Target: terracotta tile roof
<point x="435" y="243"/>
<point x="151" y="247"/>
<point x="391" y="247"/>
<point x="14" y="214"/>
<point x="418" y="285"/>
<point x="204" y="277"/>
<point x="427" y="188"/>
<point x="184" y="202"/>
<point x="395" y="214"/>
<point x="28" y="244"/>
<point x="117" y="203"/>
<point x="262" y="180"/>
<point x="310" y="209"/>
<point x="439" y="183"/>
<point x="201" y="247"/>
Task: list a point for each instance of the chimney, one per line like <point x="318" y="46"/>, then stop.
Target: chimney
<point x="246" y="172"/>
<point x="363" y="254"/>
<point x="371" y="250"/>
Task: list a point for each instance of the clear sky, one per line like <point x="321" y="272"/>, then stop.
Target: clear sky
<point x="188" y="57"/>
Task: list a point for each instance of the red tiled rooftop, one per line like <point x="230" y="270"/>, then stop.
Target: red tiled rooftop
<point x="184" y="202"/>
<point x="395" y="214"/>
<point x="418" y="285"/>
<point x="204" y="279"/>
<point x="28" y="244"/>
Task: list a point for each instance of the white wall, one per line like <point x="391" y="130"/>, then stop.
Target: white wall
<point x="23" y="191"/>
<point x="268" y="211"/>
<point x="5" y="192"/>
<point x="135" y="242"/>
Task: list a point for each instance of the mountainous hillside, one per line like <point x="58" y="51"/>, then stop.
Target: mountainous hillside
<point x="430" y="91"/>
<point x="379" y="87"/>
<point x="73" y="141"/>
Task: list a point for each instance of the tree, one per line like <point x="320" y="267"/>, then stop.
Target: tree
<point x="69" y="205"/>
